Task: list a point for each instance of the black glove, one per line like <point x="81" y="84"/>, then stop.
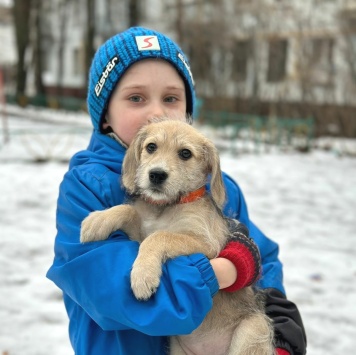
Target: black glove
<point x="236" y="227"/>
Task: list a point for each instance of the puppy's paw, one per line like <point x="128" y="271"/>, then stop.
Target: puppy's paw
<point x="145" y="278"/>
<point x="95" y="227"/>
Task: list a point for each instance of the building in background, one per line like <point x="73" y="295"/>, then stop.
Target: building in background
<point x="257" y="56"/>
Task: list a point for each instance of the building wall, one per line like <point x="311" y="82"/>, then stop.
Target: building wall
<point x="214" y="34"/>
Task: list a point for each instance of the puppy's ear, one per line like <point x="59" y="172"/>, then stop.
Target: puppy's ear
<point x="216" y="184"/>
<point x="132" y="161"/>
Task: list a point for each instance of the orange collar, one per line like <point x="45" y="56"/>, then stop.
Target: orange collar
<point x="190" y="197"/>
<point x="193" y="196"/>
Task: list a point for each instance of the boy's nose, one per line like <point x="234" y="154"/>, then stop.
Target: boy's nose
<point x="157" y="110"/>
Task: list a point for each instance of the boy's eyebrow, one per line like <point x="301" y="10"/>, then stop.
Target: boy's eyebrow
<point x="176" y="88"/>
<point x="132" y="87"/>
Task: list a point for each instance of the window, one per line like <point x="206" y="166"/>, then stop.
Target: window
<point x="200" y="57"/>
<point x="241" y="55"/>
<point x="322" y="50"/>
<point x="277" y="60"/>
<point x="78" y="62"/>
<point x="321" y="60"/>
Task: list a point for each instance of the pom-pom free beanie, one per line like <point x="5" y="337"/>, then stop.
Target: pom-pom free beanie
<point x="118" y="53"/>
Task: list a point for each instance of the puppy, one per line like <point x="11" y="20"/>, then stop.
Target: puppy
<point x="165" y="170"/>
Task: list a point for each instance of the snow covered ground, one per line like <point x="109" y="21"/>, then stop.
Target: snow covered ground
<point x="306" y="202"/>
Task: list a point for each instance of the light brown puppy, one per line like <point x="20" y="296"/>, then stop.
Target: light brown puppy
<point x="166" y="169"/>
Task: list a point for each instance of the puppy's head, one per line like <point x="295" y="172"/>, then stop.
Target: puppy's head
<point x="169" y="159"/>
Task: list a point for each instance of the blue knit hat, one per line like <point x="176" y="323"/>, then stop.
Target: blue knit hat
<point x="118" y="53"/>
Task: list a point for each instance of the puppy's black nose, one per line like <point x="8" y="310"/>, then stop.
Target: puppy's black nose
<point x="157" y="177"/>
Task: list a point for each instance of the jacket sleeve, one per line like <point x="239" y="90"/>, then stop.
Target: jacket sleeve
<point x="288" y="325"/>
<point x="289" y="330"/>
<point x="236" y="208"/>
<point x="96" y="275"/>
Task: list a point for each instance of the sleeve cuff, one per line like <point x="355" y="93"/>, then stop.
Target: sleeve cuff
<point x="206" y="271"/>
<point x="244" y="254"/>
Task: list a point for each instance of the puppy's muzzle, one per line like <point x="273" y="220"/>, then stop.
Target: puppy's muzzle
<point x="157" y="176"/>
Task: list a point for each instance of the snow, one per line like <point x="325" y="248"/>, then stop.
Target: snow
<point x="304" y="201"/>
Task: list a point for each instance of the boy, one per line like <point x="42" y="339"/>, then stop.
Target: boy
<point x="136" y="75"/>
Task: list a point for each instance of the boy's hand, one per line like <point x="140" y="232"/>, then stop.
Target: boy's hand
<point x="243" y="253"/>
<point x="225" y="272"/>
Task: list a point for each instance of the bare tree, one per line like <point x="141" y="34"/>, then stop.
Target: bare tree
<point x="21" y="11"/>
<point x="90" y="33"/>
<point x="62" y="10"/>
<point x="37" y="46"/>
<point x="134" y="12"/>
<point x="109" y="15"/>
<point x="179" y="20"/>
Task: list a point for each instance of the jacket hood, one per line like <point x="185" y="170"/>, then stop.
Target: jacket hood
<point x="101" y="150"/>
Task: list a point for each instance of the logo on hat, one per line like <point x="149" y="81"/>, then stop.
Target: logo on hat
<point x="147" y="43"/>
<point x="101" y="82"/>
<point x="181" y="57"/>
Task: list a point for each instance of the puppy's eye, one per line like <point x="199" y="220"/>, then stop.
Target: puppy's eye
<point x="185" y="154"/>
<point x="151" y="147"/>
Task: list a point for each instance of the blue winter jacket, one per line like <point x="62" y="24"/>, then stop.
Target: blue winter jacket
<point x="105" y="318"/>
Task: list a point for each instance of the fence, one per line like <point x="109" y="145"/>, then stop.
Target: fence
<point x="54" y="102"/>
<point x="263" y="132"/>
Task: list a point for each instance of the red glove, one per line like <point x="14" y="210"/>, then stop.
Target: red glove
<point x="280" y="351"/>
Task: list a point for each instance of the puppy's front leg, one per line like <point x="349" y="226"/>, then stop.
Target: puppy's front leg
<point x="100" y="224"/>
<point x="154" y="251"/>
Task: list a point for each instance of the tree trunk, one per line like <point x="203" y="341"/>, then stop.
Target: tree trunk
<point x="63" y="15"/>
<point x="134" y="13"/>
<point x="179" y="21"/>
<point x="38" y="47"/>
<point x="21" y="11"/>
<point x="89" y="41"/>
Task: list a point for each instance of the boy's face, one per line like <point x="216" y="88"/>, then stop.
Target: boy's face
<point x="150" y="88"/>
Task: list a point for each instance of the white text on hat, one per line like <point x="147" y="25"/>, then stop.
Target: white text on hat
<point x="109" y="67"/>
